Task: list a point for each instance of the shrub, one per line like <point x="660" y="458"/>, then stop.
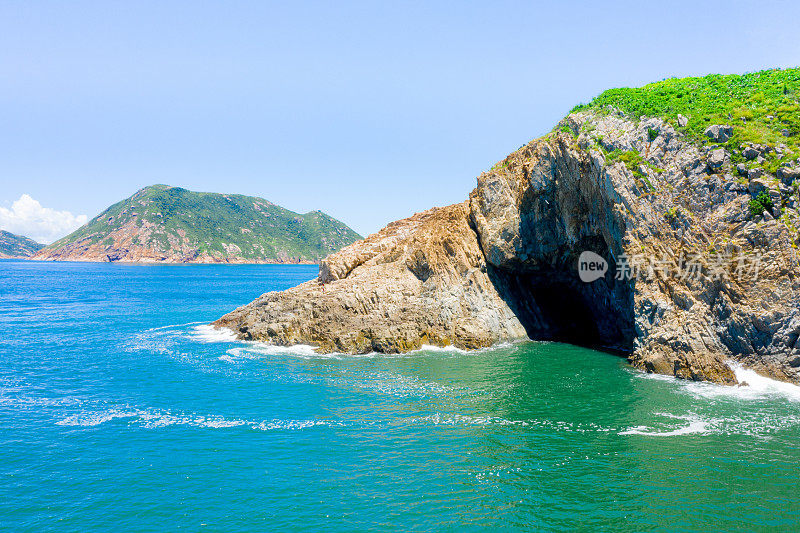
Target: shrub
<point x="760" y="203"/>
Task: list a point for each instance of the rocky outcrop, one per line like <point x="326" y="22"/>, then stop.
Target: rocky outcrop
<point x="422" y="280"/>
<point x="719" y="133"/>
<point x="695" y="276"/>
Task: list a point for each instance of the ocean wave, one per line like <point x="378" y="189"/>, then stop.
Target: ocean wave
<point x="209" y="333"/>
<point x="757" y="387"/>
<point x="695" y="425"/>
<point x="296" y="424"/>
<point x="151" y="418"/>
<point x="95" y="418"/>
<point x="298" y="350"/>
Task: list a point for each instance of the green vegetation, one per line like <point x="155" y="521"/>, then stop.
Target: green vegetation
<point x="760" y="203"/>
<point x="633" y="160"/>
<point x="564" y="128"/>
<point x="763" y="107"/>
<point x="17" y="246"/>
<point x="164" y="218"/>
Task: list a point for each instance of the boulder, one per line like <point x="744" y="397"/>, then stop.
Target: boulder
<point x="682" y="121"/>
<point x="788" y="174"/>
<point x="719" y="133"/>
<point x="750" y="153"/>
<point x="756" y="186"/>
<point x="716" y="158"/>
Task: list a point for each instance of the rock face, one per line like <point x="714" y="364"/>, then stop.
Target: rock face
<point x="694" y="280"/>
<point x="422" y="280"/>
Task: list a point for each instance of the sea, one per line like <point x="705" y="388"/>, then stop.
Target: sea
<point x="121" y="409"/>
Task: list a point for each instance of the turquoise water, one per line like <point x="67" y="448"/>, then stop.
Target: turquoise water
<point x="120" y="410"/>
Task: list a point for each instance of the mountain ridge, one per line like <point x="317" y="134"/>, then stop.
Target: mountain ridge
<point x="162" y="223"/>
<point x="14" y="246"/>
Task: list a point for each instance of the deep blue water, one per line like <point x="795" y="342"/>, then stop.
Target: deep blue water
<point x="120" y="410"/>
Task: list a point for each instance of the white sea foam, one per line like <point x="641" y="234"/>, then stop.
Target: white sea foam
<point x="757" y="387"/>
<point x="209" y="333"/>
<point x="152" y="418"/>
<point x="696" y="425"/>
<point x="95" y="418"/>
<point x="299" y="350"/>
<point x="753" y="386"/>
<point x="439" y="349"/>
<point x="294" y="424"/>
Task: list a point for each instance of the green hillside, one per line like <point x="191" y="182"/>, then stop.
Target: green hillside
<point x="763" y="108"/>
<point x="170" y="220"/>
<point x="17" y="246"/>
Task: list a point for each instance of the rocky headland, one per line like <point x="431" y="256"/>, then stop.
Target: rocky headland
<point x="695" y="220"/>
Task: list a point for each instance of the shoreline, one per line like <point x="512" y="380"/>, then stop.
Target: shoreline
<point x="146" y="263"/>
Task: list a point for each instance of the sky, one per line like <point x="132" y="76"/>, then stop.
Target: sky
<point x="369" y="111"/>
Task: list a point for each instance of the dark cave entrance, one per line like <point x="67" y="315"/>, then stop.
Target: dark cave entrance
<point x="554" y="304"/>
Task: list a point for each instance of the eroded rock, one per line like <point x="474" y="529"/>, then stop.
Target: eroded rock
<point x="504" y="264"/>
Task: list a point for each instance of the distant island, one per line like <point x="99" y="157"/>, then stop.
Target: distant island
<point x="16" y="246"/>
<point x="164" y="224"/>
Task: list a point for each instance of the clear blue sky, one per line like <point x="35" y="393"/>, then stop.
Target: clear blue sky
<point x="368" y="111"/>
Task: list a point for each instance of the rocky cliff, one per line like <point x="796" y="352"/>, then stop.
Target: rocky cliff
<point x="173" y="225"/>
<point x="699" y="254"/>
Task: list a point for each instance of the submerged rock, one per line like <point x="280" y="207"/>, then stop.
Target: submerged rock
<point x="691" y="281"/>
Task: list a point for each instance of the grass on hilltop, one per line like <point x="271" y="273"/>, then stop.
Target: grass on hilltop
<point x="761" y="106"/>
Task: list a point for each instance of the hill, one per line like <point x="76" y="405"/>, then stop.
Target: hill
<point x="161" y="223"/>
<point x="13" y="246"/>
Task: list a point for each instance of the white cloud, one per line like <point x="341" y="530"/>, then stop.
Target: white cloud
<point x="42" y="224"/>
